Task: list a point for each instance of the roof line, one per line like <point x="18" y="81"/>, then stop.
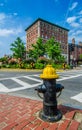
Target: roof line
<point x="40" y="19"/>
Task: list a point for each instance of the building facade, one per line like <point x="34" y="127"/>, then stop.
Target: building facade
<point x="75" y="52"/>
<point x="46" y="30"/>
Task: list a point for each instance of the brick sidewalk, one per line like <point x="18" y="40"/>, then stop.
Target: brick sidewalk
<point x="22" y="114"/>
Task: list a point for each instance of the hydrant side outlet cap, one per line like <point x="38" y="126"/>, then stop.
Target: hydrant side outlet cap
<point x="49" y="73"/>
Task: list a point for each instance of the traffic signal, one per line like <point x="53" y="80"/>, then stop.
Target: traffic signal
<point x="71" y="47"/>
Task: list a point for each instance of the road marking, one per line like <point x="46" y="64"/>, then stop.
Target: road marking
<point x="20" y="82"/>
<point x="65" y="78"/>
<point x="38" y="75"/>
<point x="21" y="88"/>
<point x="3" y="88"/>
<point x="33" y="79"/>
<point x="17" y="77"/>
<point x="25" y="85"/>
<point x="78" y="97"/>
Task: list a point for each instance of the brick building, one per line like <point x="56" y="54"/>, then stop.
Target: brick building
<point x="46" y="30"/>
<point x="77" y="51"/>
<point x="75" y="55"/>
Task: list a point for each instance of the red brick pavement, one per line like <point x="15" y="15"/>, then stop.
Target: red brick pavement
<point x="18" y="113"/>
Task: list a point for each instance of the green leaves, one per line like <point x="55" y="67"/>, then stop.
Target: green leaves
<point x="18" y="48"/>
<point x="37" y="50"/>
<point x="80" y="56"/>
<point x="51" y="49"/>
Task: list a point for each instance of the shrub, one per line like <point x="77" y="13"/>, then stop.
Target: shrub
<point x="39" y="66"/>
<point x="12" y="61"/>
<point x="28" y="66"/>
<point x="28" y="61"/>
<point x="8" y="66"/>
<point x="57" y="66"/>
<point x="4" y="60"/>
<point x="21" y="65"/>
<point x="4" y="65"/>
<point x="42" y="60"/>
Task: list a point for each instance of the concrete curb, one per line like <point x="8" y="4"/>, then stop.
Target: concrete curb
<point x="26" y="70"/>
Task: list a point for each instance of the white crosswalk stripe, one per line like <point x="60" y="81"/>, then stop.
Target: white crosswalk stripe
<point x="77" y="97"/>
<point x="33" y="78"/>
<point x="70" y="77"/>
<point x="23" y="84"/>
<point x="3" y="88"/>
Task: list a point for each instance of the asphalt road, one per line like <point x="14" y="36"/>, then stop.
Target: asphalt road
<point x="71" y="80"/>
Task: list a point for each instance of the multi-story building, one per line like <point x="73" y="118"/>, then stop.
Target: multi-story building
<point x="74" y="55"/>
<point x="46" y="30"/>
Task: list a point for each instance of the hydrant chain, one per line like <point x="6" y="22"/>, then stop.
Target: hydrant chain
<point x="58" y="94"/>
<point x="39" y="95"/>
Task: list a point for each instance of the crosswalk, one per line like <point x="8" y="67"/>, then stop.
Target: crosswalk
<point x="12" y="84"/>
<point x="19" y="83"/>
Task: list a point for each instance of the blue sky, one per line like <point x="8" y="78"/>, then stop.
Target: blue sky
<point x="17" y="15"/>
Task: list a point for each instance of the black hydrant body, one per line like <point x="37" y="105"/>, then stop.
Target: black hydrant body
<point x="50" y="112"/>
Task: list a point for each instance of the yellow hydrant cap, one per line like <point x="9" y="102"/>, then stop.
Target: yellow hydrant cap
<point x="49" y="73"/>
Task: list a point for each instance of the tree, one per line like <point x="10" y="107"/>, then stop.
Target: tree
<point x="18" y="48"/>
<point x="53" y="49"/>
<point x="37" y="50"/>
<point x="80" y="56"/>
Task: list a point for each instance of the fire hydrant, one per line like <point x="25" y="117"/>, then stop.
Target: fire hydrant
<point x="50" y="112"/>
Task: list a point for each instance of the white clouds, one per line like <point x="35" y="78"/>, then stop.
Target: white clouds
<point x="71" y="19"/>
<point x="80" y="20"/>
<point x="77" y="38"/>
<point x="79" y="32"/>
<point x="2" y="16"/>
<point x="23" y="38"/>
<point x="75" y="24"/>
<point x="5" y="32"/>
<point x="2" y="19"/>
<point x="8" y="25"/>
<point x="74" y="5"/>
<point x="71" y="8"/>
<point x="75" y="33"/>
<point x="75" y="21"/>
<point x="7" y="18"/>
<point x="80" y="12"/>
<point x="8" y="32"/>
